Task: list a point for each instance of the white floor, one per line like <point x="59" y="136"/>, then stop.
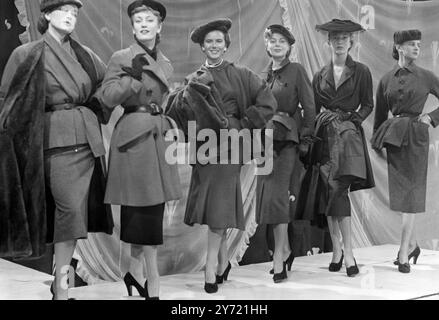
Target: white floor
<point x="379" y="279"/>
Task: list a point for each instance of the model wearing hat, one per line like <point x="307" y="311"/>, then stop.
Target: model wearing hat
<point x="140" y="179"/>
<point x="63" y="124"/>
<point x="291" y="86"/>
<point x="215" y="196"/>
<point x="404" y="91"/>
<point x="344" y="99"/>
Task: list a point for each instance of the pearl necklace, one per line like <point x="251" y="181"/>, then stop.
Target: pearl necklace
<point x="214" y="65"/>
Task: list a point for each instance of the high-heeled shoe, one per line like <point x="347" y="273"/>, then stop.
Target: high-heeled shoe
<point x="131" y="282"/>
<point x="353" y="270"/>
<point x="336" y="267"/>
<point x="288" y="262"/>
<point x="147" y="297"/>
<point x="279" y="277"/>
<point x="403" y="267"/>
<point x="414" y="254"/>
<point x="222" y="278"/>
<point x="211" y="287"/>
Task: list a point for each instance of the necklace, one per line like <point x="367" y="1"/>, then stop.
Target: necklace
<point x="214" y="65"/>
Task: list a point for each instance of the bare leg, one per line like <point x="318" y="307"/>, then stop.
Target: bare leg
<point x="152" y="270"/>
<point x="334" y="230"/>
<point x="223" y="259"/>
<point x="215" y="237"/>
<point x="280" y="232"/>
<point x="136" y="267"/>
<point x="63" y="257"/>
<point x="413" y="240"/>
<point x="408" y="223"/>
<point x="346" y="232"/>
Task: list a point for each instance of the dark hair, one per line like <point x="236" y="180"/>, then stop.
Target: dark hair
<point x="42" y="24"/>
<point x="395" y="53"/>
<point x="226" y="37"/>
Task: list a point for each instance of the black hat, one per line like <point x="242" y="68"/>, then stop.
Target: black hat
<point x="199" y="33"/>
<point x="406" y="35"/>
<point x="336" y="25"/>
<point x="147" y="3"/>
<point x="277" y="28"/>
<point x="47" y="5"/>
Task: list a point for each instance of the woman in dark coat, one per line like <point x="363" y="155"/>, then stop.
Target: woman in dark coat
<point x="215" y="192"/>
<point x="344" y="99"/>
<point x="140" y="179"/>
<point x="72" y="137"/>
<point x="290" y="86"/>
<point x="403" y="91"/>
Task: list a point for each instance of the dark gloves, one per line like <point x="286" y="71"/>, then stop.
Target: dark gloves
<point x="356" y="119"/>
<point x="137" y="65"/>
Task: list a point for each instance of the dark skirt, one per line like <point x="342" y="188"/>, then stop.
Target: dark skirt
<point x="273" y="191"/>
<point x="68" y="175"/>
<point x="407" y="169"/>
<point x="215" y="197"/>
<point x="142" y="225"/>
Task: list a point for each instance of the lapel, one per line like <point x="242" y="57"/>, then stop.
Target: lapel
<point x="347" y="73"/>
<point x="328" y="75"/>
<point x="67" y="70"/>
<point x="161" y="68"/>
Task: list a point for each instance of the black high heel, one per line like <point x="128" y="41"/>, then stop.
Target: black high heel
<point x="147" y="297"/>
<point x="336" y="267"/>
<point x="414" y="254"/>
<point x="225" y="275"/>
<point x="352" y="271"/>
<point x="288" y="262"/>
<point x="211" y="287"/>
<point x="130" y="282"/>
<point x="404" y="267"/>
<point x="279" y="277"/>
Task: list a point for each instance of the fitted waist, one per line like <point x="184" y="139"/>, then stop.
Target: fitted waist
<point x="63" y="106"/>
<point x="152" y="108"/>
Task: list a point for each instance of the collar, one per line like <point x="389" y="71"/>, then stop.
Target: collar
<point x="268" y="70"/>
<point x="162" y="68"/>
<point x="410" y="68"/>
<point x="328" y="72"/>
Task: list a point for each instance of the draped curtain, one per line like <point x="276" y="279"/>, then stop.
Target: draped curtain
<point x="104" y="26"/>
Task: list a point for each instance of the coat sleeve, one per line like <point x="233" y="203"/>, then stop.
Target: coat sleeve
<point x="366" y="94"/>
<point x="434" y="115"/>
<point x="317" y="102"/>
<point x="306" y="99"/>
<point x="263" y="106"/>
<point x="117" y="86"/>
<point x="382" y="107"/>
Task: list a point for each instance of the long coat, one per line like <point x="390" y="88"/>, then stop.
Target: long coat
<point x="139" y="174"/>
<point x="25" y="213"/>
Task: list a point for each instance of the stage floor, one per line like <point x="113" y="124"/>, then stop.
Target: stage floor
<point x="309" y="279"/>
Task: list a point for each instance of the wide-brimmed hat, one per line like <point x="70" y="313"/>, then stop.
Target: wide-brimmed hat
<point x="199" y="33"/>
<point x="277" y="28"/>
<point x="155" y="5"/>
<point x="47" y="5"/>
<point x="337" y="25"/>
<point x="406" y="35"/>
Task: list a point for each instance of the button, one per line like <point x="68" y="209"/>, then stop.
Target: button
<point x="402" y="81"/>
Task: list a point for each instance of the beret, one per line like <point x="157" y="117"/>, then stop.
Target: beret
<point x="336" y="25"/>
<point x="47" y="5"/>
<point x="155" y="5"/>
<point x="199" y="33"/>
<point x="277" y="28"/>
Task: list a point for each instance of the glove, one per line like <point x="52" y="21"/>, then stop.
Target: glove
<point x="103" y="114"/>
<point x="136" y="69"/>
<point x="356" y="119"/>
